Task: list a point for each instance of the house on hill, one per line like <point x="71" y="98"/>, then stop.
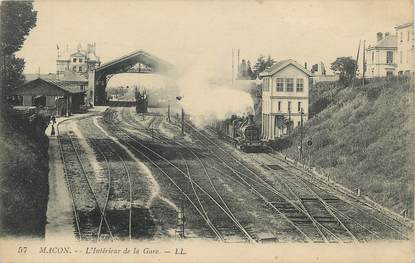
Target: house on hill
<point x="405" y="49"/>
<point x="59" y="97"/>
<point x="381" y="57"/>
<point x="285" y="89"/>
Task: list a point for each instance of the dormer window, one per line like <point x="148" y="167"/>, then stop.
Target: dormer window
<point x="74" y="59"/>
<point x="80" y="60"/>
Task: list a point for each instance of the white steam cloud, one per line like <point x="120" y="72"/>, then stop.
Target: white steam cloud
<point x="206" y="99"/>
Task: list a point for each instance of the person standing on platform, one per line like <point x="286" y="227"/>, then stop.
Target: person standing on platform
<point x="52" y="133"/>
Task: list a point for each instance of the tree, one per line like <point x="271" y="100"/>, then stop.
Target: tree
<point x="262" y="64"/>
<point x="345" y="67"/>
<point x="249" y="71"/>
<point x="17" y="18"/>
<point x="14" y="72"/>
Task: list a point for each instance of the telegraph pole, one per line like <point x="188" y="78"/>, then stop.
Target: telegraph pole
<point x="289" y="121"/>
<point x="357" y="63"/>
<point x="232" y="65"/>
<point x="168" y="112"/>
<point x="301" y="136"/>
<point x="182" y="121"/>
<point x="364" y="62"/>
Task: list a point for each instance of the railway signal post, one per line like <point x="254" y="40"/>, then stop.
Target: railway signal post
<point x="179" y="98"/>
<point x="181" y="219"/>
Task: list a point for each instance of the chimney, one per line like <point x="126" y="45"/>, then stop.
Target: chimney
<point x="387" y="34"/>
<point x="380" y="36"/>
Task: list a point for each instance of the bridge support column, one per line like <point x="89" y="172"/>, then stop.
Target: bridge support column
<point x="90" y="96"/>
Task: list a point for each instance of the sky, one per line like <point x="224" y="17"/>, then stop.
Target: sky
<point x="200" y="35"/>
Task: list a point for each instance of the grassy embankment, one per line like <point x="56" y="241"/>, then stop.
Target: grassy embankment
<point x="361" y="137"/>
<point x="23" y="174"/>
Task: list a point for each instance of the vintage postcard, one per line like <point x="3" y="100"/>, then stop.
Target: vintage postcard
<point x="207" y="131"/>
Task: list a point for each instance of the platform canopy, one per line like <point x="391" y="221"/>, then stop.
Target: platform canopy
<point x="129" y="62"/>
<point x="135" y="62"/>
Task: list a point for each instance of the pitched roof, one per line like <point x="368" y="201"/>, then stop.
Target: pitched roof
<point x="404" y="25"/>
<point x="49" y="87"/>
<point x="67" y="76"/>
<point x="30" y="76"/>
<point x="279" y="65"/>
<point x="134" y="57"/>
<point x="387" y="42"/>
<point x="68" y="86"/>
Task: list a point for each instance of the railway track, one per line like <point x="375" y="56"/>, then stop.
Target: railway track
<point x="86" y="207"/>
<point x="343" y="211"/>
<point x="182" y="151"/>
<point x="378" y="221"/>
<point x="196" y="196"/>
<point x="118" y="216"/>
<point x="311" y="217"/>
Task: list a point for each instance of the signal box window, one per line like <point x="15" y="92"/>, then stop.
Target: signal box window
<point x="290" y="85"/>
<point x="280" y="84"/>
<point x="300" y="85"/>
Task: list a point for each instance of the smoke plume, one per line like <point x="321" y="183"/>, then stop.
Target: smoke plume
<point x="206" y="98"/>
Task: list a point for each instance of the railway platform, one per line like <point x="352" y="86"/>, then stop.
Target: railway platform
<point x="60" y="212"/>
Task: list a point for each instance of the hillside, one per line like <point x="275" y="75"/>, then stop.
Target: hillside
<point x="23" y="173"/>
<point x="361" y="137"/>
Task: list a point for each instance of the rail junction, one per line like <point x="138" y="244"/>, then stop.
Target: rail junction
<point x="135" y="176"/>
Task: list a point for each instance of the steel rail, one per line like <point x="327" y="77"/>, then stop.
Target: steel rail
<point x="354" y="205"/>
<point x="264" y="184"/>
<point x="74" y="208"/>
<point x="108" y="189"/>
<point x="163" y="139"/>
<point x="89" y="184"/>
<point x="183" y="173"/>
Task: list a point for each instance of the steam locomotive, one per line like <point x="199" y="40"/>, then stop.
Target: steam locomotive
<point x="141" y="101"/>
<point x="242" y="132"/>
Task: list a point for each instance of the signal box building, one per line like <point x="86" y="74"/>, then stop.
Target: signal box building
<point x="285" y="92"/>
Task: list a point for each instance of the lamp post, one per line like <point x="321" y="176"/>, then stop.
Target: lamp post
<point x="178" y="98"/>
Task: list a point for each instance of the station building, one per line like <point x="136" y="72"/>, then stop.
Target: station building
<point x="285" y="92"/>
<point x="63" y="92"/>
<point x="80" y="61"/>
<point x="60" y="98"/>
